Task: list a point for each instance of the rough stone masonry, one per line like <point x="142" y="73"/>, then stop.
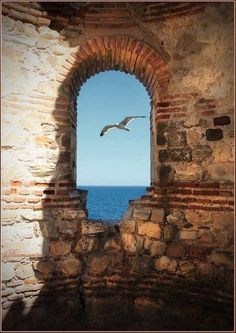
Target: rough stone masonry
<point x="169" y="263"/>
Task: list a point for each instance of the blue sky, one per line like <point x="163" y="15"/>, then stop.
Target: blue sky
<point x="119" y="157"/>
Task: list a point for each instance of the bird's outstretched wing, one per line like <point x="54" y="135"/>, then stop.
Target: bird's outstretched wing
<point x="128" y="119"/>
<point x="106" y="129"/>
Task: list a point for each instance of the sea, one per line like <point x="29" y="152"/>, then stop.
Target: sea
<point x="110" y="202"/>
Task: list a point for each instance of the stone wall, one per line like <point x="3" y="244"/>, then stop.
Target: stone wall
<point x="182" y="229"/>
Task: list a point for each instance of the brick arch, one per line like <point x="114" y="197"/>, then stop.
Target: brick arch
<point x="111" y="53"/>
<point x="118" y="53"/>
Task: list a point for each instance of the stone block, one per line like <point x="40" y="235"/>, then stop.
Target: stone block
<point x="129" y="242"/>
<point x="204" y="270"/>
<point x="150" y="229"/>
<point x="176" y="217"/>
<point x="127" y="226"/>
<point x="24" y="288"/>
<point x="69" y="267"/>
<point x="43" y="43"/>
<point x="201" y="153"/>
<point x="214" y="134"/>
<point x="188" y="172"/>
<point x="221" y="172"/>
<point x="30" y="215"/>
<point x="15" y="297"/>
<point x="24" y="230"/>
<point x="222" y="152"/>
<point x="30" y="30"/>
<point x="48" y="33"/>
<point x="144" y="303"/>
<point x="39" y="246"/>
<point x="181" y="155"/>
<point x="155" y="247"/>
<point x="93" y="227"/>
<point x="157" y="215"/>
<point x="112" y="245"/>
<point x="220" y="259"/>
<point x="224" y="221"/>
<point x="198" y="217"/>
<point x="221" y="121"/>
<point x="59" y="248"/>
<point x="166" y="173"/>
<point x="44" y="267"/>
<point x="8" y="217"/>
<point x="169" y="232"/>
<point x="160" y="139"/>
<point x="198" y="252"/>
<point x="192" y="121"/>
<point x="7" y="292"/>
<point x="43" y="170"/>
<point x="24" y="271"/>
<point x="194" y="136"/>
<point x="98" y="264"/>
<point x="8" y="305"/>
<point x="166" y="264"/>
<point x="66" y="227"/>
<point x="142" y="213"/>
<point x="8" y="271"/>
<point x="176" y="139"/>
<point x="187" y="268"/>
<point x="176" y="250"/>
<point x="87" y="245"/>
<point x="223" y="239"/>
<point x="164" y="155"/>
<point x="7" y="23"/>
<point x="187" y="235"/>
<point x="207" y="239"/>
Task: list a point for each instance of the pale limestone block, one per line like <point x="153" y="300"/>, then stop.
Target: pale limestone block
<point x="198" y="217"/>
<point x="8" y="271"/>
<point x="129" y="242"/>
<point x="150" y="229"/>
<point x="188" y="172"/>
<point x="221" y="172"/>
<point x="127" y="226"/>
<point x="24" y="271"/>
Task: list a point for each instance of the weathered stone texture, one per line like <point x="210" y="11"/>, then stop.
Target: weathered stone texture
<point x="150" y="229"/>
<point x="184" y="226"/>
<point x="69" y="267"/>
<point x="188" y="172"/>
<point x="165" y="263"/>
<point x="59" y="248"/>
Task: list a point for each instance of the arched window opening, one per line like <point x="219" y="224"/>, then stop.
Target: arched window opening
<point x="114" y="168"/>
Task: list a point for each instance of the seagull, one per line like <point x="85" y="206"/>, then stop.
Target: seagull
<point x="121" y="125"/>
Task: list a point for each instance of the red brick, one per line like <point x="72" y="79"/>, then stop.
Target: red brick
<point x="33" y="200"/>
<point x="208" y="113"/>
<point x="16" y="183"/>
<point x="9" y="191"/>
<point x="28" y="184"/>
<point x="45" y="200"/>
<point x="38" y="193"/>
<point x="18" y="199"/>
<point x="164" y="116"/>
<point x="7" y="199"/>
<point x="23" y="192"/>
<point x="4" y="184"/>
<point x="207" y="192"/>
<point x="45" y="184"/>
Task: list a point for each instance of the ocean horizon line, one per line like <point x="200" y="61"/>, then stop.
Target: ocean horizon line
<point x="112" y="186"/>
